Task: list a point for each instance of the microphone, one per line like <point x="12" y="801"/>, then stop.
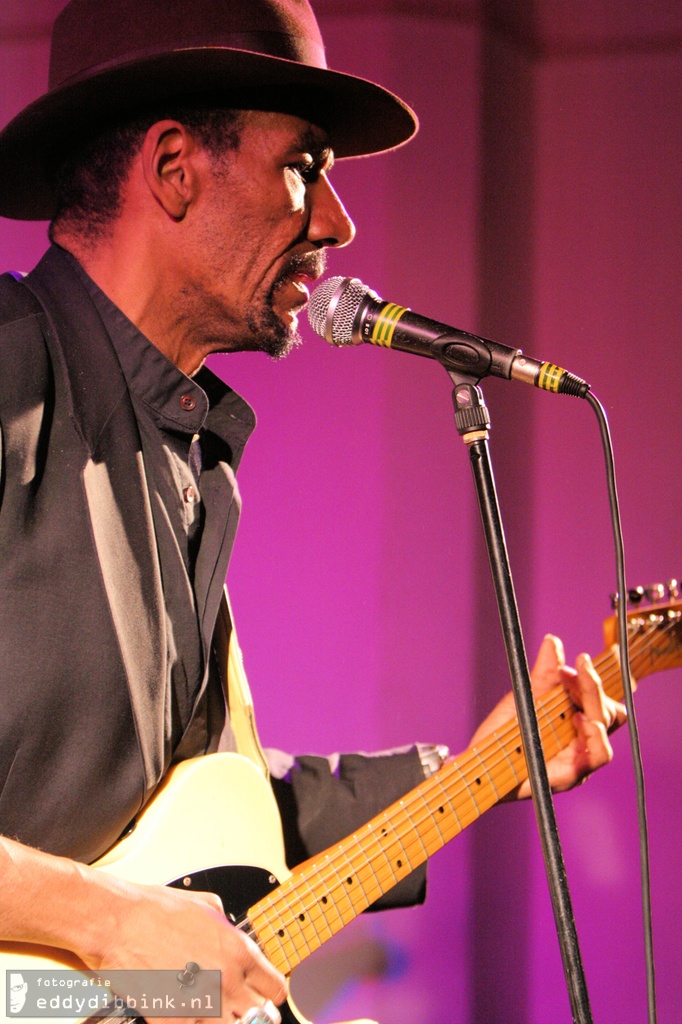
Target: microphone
<point x="344" y="311"/>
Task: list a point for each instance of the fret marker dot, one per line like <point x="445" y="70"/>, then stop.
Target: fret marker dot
<point x="399" y="863"/>
<point x="281" y="933"/>
<point x="301" y="917"/>
<point x="349" y="880"/>
<point x="518" y="750"/>
<point x="478" y="782"/>
<point x="441" y="810"/>
<point x="562" y="715"/>
<point x="324" y="899"/>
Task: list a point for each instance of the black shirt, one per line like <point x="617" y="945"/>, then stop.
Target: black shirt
<point x="193" y="432"/>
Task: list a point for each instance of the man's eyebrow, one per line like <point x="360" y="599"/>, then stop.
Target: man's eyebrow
<point x="314" y="142"/>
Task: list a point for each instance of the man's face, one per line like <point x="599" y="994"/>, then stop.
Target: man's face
<point x="258" y="234"/>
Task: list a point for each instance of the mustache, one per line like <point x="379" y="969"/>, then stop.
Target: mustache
<point x="310" y="264"/>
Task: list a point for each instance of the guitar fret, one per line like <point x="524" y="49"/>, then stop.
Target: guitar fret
<point x="317" y="900"/>
<point x="546" y="727"/>
<point x="316" y="915"/>
<point x="608" y="668"/>
<point x="438" y="828"/>
<point x="518" y="753"/>
<point x="439" y="784"/>
<point x="356" y="885"/>
<point x="390" y="850"/>
<point x="557" y="717"/>
<point x="301" y="918"/>
<point x="343" y="905"/>
<point x="376" y="889"/>
<point x="322" y="905"/>
<point x="504" y="768"/>
<point x="467" y="813"/>
<point x="380" y="834"/>
<point x="357" y="900"/>
<point x="335" y="887"/>
<point x="501" y="771"/>
<point x="439" y="839"/>
<point x="482" y="797"/>
<point x="290" y="947"/>
<point x="280" y="948"/>
<point x="326" y="901"/>
<point x="287" y="918"/>
<point x="485" y="772"/>
<point x="402" y="863"/>
<point x="291" y="942"/>
<point x="413" y="832"/>
<point x="562" y="731"/>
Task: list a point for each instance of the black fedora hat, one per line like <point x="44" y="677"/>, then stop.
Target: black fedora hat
<point x="116" y="58"/>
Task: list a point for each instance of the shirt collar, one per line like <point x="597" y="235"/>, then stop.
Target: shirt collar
<point x="175" y="399"/>
<point x="178" y="402"/>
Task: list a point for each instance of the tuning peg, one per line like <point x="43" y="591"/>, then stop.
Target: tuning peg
<point x="655" y="593"/>
<point x="635" y="595"/>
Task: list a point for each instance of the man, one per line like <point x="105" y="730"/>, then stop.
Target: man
<point x="184" y="158"/>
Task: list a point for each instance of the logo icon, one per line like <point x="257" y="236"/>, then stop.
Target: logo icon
<point x="18" y="989"/>
<point x="186" y="977"/>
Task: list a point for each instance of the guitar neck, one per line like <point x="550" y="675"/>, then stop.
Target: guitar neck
<point x="326" y="893"/>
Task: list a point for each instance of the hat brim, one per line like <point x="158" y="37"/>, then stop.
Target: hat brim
<point x="360" y="117"/>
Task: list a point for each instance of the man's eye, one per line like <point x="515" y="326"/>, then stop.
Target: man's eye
<point x="308" y="171"/>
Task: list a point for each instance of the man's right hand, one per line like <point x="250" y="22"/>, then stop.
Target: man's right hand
<point x="156" y="928"/>
<point x="116" y="925"/>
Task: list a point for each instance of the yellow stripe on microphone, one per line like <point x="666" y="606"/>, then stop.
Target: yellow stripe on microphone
<point x="384" y="325"/>
<point x="549" y="377"/>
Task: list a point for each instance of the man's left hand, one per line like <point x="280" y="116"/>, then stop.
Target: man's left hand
<point x="599" y="715"/>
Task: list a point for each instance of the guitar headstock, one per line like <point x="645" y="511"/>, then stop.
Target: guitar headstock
<point x="654" y="627"/>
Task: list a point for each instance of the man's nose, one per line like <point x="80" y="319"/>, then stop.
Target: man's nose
<point x="329" y="223"/>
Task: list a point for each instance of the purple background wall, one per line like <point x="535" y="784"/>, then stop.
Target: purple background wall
<point x="540" y="203"/>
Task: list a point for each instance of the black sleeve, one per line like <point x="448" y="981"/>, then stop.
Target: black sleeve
<point x="320" y="807"/>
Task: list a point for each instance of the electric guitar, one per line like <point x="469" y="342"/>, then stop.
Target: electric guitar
<point x="181" y="840"/>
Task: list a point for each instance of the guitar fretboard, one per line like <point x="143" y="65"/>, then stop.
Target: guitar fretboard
<point x="326" y="893"/>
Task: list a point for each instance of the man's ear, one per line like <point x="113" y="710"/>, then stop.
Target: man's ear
<point x="169" y="165"/>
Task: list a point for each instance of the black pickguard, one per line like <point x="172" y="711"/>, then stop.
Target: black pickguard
<point x="238" y="887"/>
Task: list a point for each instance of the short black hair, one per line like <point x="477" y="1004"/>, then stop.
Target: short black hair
<point x="88" y="183"/>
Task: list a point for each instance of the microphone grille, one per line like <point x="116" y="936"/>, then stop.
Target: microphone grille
<point x="341" y="297"/>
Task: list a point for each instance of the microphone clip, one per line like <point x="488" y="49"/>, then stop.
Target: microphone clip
<point x="471" y="413"/>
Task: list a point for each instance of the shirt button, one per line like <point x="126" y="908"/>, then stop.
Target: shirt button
<point x="188" y="402"/>
<point x="189" y="494"/>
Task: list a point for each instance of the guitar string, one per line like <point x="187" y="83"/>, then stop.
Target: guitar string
<point x="426" y="822"/>
<point x="427" y="843"/>
<point x="305" y="934"/>
<point x="547" y="706"/>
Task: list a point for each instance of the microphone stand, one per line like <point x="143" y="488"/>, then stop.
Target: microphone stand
<point x="473" y="424"/>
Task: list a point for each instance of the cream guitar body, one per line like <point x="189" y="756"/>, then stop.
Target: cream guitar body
<point x="214" y="825"/>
